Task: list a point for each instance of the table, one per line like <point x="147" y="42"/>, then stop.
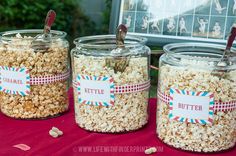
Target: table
<point x="77" y="141"/>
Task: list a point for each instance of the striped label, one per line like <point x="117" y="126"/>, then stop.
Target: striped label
<point x="14" y="80"/>
<point x="128" y="88"/>
<point x="192" y="107"/>
<point x="94" y="90"/>
<point x="218" y="105"/>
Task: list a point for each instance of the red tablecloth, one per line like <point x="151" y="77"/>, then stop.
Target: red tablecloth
<point x="77" y="141"/>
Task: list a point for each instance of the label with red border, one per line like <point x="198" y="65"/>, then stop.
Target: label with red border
<point x="192" y="107"/>
<point x="94" y="90"/>
<point x="14" y="80"/>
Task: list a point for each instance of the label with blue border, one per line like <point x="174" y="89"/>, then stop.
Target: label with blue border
<point x="95" y="90"/>
<point x="14" y="80"/>
<point x="191" y="107"/>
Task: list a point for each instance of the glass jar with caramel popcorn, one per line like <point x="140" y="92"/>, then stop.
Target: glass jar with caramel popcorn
<point x="34" y="74"/>
<point x="111" y="84"/>
<point x="196" y="108"/>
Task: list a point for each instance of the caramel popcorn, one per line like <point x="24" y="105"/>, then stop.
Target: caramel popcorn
<point x="44" y="100"/>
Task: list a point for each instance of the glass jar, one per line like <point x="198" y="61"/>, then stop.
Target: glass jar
<point x="34" y="74"/>
<point x="111" y="85"/>
<point x="196" y="98"/>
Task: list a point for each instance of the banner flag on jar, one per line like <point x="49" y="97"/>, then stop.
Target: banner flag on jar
<point x="213" y="105"/>
<point x="100" y="90"/>
<point x="189" y="106"/>
<point x="17" y="81"/>
<point x="96" y="90"/>
<point x="14" y="80"/>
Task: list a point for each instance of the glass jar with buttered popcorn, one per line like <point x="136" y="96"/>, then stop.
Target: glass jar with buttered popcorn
<point x="196" y="108"/>
<point x="111" y="83"/>
<point x="34" y="74"/>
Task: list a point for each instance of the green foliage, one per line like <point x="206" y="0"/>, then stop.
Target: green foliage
<point x="106" y="17"/>
<point x="30" y="14"/>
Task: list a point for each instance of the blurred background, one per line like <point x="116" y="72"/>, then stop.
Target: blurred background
<point x="76" y="17"/>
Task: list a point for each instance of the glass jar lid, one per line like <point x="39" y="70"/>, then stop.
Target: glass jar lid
<point x="200" y="54"/>
<point x="103" y="45"/>
<point x="30" y="33"/>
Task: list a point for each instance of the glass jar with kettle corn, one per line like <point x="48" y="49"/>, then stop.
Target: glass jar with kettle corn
<point x="111" y="84"/>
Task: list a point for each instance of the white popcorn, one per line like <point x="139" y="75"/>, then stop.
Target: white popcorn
<point x="196" y="137"/>
<point x="150" y="150"/>
<point x="55" y="132"/>
<point x="18" y="35"/>
<point x="130" y="109"/>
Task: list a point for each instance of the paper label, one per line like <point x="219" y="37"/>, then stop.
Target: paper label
<point x="189" y="106"/>
<point x="95" y="90"/>
<point x="14" y="80"/>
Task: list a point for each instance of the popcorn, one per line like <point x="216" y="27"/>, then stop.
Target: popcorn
<point x="150" y="150"/>
<point x="55" y="132"/>
<point x="196" y="137"/>
<point x="44" y="100"/>
<point x="130" y="109"/>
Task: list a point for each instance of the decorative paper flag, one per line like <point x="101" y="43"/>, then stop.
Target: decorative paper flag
<point x="14" y="80"/>
<point x="218" y="105"/>
<point x="189" y="106"/>
<point x="93" y="90"/>
<point x="130" y="88"/>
